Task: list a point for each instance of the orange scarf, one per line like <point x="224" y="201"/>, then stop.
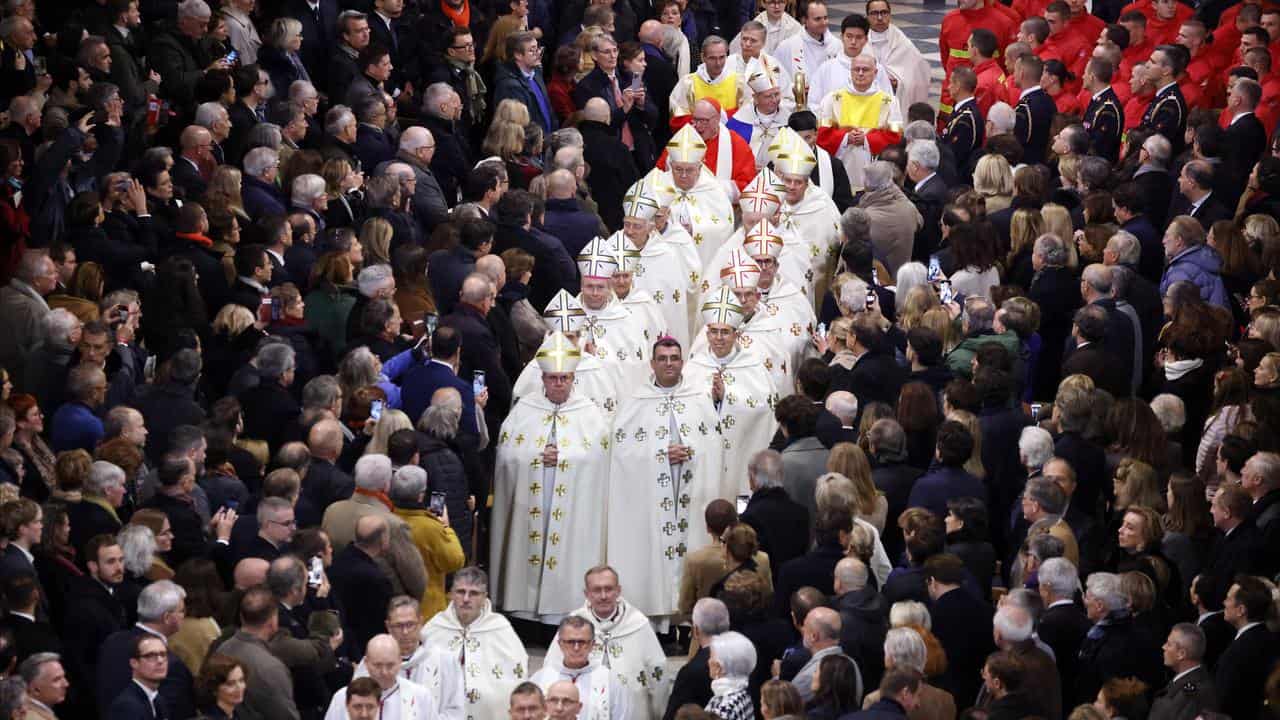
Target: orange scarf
<point x="196" y="238"/>
<point x="460" y="16"/>
<point x="377" y="495"/>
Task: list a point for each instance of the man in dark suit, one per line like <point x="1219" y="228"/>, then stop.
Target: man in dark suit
<point x="442" y="115"/>
<point x="962" y="623"/>
<point x="892" y="476"/>
<point x="253" y="271"/>
<point x="140" y="699"/>
<point x="186" y="174"/>
<point x="1196" y="197"/>
<point x="276" y="524"/>
<point x="1243" y="668"/>
<point x="22" y="524"/>
<point x="456" y="68"/>
<point x="1245" y="139"/>
<point x="480" y="349"/>
<point x="1034" y="111"/>
<point x="1063" y="624"/>
<point x="520" y="79"/>
<point x="781" y="524"/>
<point x="1192" y="690"/>
<point x="929" y="194"/>
<point x="1153" y="179"/>
<point x="610" y="83"/>
<point x="1087" y="458"/>
<point x="1092" y="354"/>
<point x="1167" y="113"/>
<point x="693" y="681"/>
<point x="387" y="28"/>
<point x="660" y="76"/>
<point x="1104" y="117"/>
<point x="360" y="585"/>
<point x="94" y="611"/>
<point x="418" y="384"/>
<point x="319" y="20"/>
<point x="613" y="171"/>
<point x="325" y="482"/>
<point x="448" y="268"/>
<point x="1130" y="210"/>
<point x="1234" y="552"/>
<point x="875" y="376"/>
<point x="965" y="130"/>
<point x="30" y="636"/>
<point x="1209" y="618"/>
<point x="1057" y="291"/>
<point x="815" y="568"/>
<point x="161" y="608"/>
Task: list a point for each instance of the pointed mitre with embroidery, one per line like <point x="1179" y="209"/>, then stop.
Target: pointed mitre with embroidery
<point x="762" y="239"/>
<point x="558" y="354"/>
<point x="624" y="251"/>
<point x="722" y="307"/>
<point x="564" y="313"/>
<point x="763" y="194"/>
<point x="660" y="186"/>
<point x="597" y="259"/>
<point x="759" y="79"/>
<point x="791" y="154"/>
<point x="740" y="271"/>
<point x="641" y="201"/>
<point x="686" y="146"/>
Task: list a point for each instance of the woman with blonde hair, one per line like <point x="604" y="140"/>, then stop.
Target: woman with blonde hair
<point x="224" y="192"/>
<point x="914" y="305"/>
<point x="974" y="464"/>
<point x="82" y="296"/>
<point x="838" y="343"/>
<point x="504" y="140"/>
<point x="849" y="460"/>
<point x="511" y="111"/>
<point x="1263" y="235"/>
<point x="993" y="180"/>
<point x="342" y="184"/>
<point x="939" y="320"/>
<point x="495" y="48"/>
<point x="1025" y="226"/>
<point x="1057" y="221"/>
<point x="391" y="422"/>
<point x="375" y="236"/>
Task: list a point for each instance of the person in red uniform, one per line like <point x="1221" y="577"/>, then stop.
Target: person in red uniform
<point x="1063" y="43"/>
<point x="982" y="50"/>
<point x="707" y="121"/>
<point x="1226" y="37"/>
<point x="1054" y="80"/>
<point x="1084" y="23"/>
<point x="1203" y="68"/>
<point x="1140" y="46"/>
<point x="1163" y="23"/>
<point x="953" y="38"/>
<point x="1269" y="109"/>
<point x="1266" y="113"/>
<point x="1012" y="55"/>
<point x="1142" y="87"/>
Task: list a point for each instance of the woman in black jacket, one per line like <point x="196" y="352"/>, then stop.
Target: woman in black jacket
<point x="442" y="457"/>
<point x="967" y="538"/>
<point x="172" y="306"/>
<point x="836" y="689"/>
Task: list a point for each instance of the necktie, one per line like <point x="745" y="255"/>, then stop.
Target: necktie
<point x="627" y="138"/>
<point x="158" y="709"/>
<point x="395" y="41"/>
<point x="543" y="106"/>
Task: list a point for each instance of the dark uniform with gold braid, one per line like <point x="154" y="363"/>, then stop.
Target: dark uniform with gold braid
<point x="965" y="131"/>
<point x="1186" y="697"/>
<point x="1031" y="120"/>
<point x="1104" y="119"/>
<point x="1167" y="116"/>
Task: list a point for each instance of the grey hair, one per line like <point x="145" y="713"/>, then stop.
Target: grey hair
<point x="286" y="574"/>
<point x="138" y="544"/>
<point x="373" y="278"/>
<point x="408" y="483"/>
<point x="264" y="134"/>
<point x="1106" y="587"/>
<point x="1013" y="623"/>
<point x="269" y="508"/>
<point x="58" y="325"/>
<point x="1035" y="445"/>
<point x="194" y="9"/>
<point x="888" y="438"/>
<point x="301" y="90"/>
<point x="853" y="295"/>
<point x="844" y="405"/>
<point x="441" y="419"/>
<point x="710" y="617"/>
<point x="321" y="391"/>
<point x="1192" y="639"/>
<point x="373" y="472"/>
<point x="81" y="381"/>
<point x="434" y="95"/>
<point x="209" y="113"/>
<point x="905" y="647"/>
<point x="1126" y="247"/>
<point x="13" y="694"/>
<point x="910" y="275"/>
<point x="1059" y="575"/>
<point x="1001" y="117"/>
<point x="1047" y="494"/>
<point x="566" y="137"/>
<point x="32" y="265"/>
<point x="878" y="174"/>
<point x="910" y="612"/>
<point x="274" y="360"/>
<point x="671" y="41"/>
<point x="979" y="313"/>
<point x="855" y="225"/>
<point x="306" y="188"/>
<point x="258" y="160"/>
<point x="1043" y="546"/>
<point x="713" y="40"/>
<point x="919" y="130"/>
<point x="735" y="654"/>
<point x="381" y="191"/>
<point x="1158" y="147"/>
<point x="357" y="369"/>
<point x="21" y="107"/>
<point x="1267" y="464"/>
<point x="158" y="598"/>
<point x="338" y="118"/>
<point x="1170" y="411"/>
<point x="412" y="139"/>
<point x="766" y="467"/>
<point x="102" y="475"/>
<point x="924" y="153"/>
<point x="1051" y="249"/>
<point x="30" y="668"/>
<point x="1099" y="277"/>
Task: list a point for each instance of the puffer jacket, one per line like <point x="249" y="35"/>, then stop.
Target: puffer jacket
<point x="1200" y="265"/>
<point x="446" y="474"/>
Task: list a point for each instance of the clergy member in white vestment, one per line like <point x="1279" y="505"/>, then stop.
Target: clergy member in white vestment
<point x="593" y="379"/>
<point x="602" y="696"/>
<point x="802" y="55"/>
<point x="712" y="80"/>
<point x="753" y="49"/>
<point x="740" y="386"/>
<point x="619" y="336"/>
<point x="759" y="122"/>
<point x="778" y="26"/>
<point x="429" y="667"/>
<point x="622" y="283"/>
<point x="400" y="698"/>
<point x="667" y="461"/>
<point x="761" y="202"/>
<point x="481" y="642"/>
<point x="700" y="206"/>
<point x="897" y="54"/>
<point x="625" y="643"/>
<point x="806" y="127"/>
<point x="665" y="267"/>
<point x="551" y="478"/>
<point x="858" y="119"/>
<point x="808" y="213"/>
<point x="834" y="73"/>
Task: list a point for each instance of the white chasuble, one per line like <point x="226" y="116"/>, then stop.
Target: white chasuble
<point x="645" y="308"/>
<point x="601" y="696"/>
<point x="432" y="669"/>
<point x="406" y="701"/>
<point x="779" y="331"/>
<point x="738" y="65"/>
<point x="794" y="262"/>
<point x="834" y="75"/>
<point x="897" y="54"/>
<point x="656" y="507"/>
<point x="492" y="658"/>
<point x="547" y="526"/>
<point x="764" y="129"/>
<point x="774" y="33"/>
<point x="704" y="212"/>
<point x="621" y="339"/>
<point x="815" y="220"/>
<point x="746" y="411"/>
<point x="626" y="644"/>
<point x="592" y="379"/>
<point x="668" y="268"/>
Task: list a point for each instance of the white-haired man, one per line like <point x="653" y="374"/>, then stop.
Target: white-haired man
<point x="1013" y="630"/>
<point x="701" y="206"/>
<point x="551" y="478"/>
<point x="402" y="563"/>
<point x="309" y="197"/>
<point x="857" y="118"/>
<point x="620" y="338"/>
<point x="417" y="149"/>
<point x="260" y="194"/>
<point x="401" y="698"/>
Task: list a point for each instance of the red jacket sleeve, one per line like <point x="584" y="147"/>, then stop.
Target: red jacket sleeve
<point x="829" y="138"/>
<point x="878" y="140"/>
<point x="744" y="161"/>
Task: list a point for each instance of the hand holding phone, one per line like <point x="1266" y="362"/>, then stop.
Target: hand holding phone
<point x="375" y="410"/>
<point x="477" y="382"/>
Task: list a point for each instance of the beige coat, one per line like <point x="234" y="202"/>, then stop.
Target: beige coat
<point x="894" y="222"/>
<point x="403" y="565"/>
<point x="706" y="565"/>
<point x="935" y="704"/>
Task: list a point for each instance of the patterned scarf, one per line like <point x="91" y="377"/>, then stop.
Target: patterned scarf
<point x="476" y="89"/>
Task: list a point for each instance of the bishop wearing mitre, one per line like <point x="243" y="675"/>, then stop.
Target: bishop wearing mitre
<point x="807" y="212"/>
<point x="668" y="456"/>
<point x="623" y="284"/>
<point x="859" y="120"/>
<point x="760" y="203"/>
<point x="551" y="477"/>
<point x="592" y="379"/>
<point x="740" y="386"/>
<point x="700" y="205"/>
<point x="620" y="337"/>
<point x="759" y="121"/>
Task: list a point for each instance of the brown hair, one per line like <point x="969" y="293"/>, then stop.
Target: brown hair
<point x="849" y="460"/>
<point x="215" y="671"/>
<point x="72" y="469"/>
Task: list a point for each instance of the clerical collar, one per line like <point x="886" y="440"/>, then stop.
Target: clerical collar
<point x="722" y="361"/>
<point x="617" y="614"/>
<point x="1165" y="87"/>
<point x="1028" y="91"/>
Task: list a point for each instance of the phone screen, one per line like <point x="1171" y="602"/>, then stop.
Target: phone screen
<point x="1035" y="412"/>
<point x="935" y="268"/>
<point x="477" y="382"/>
<point x="742" y="501"/>
<point x="264" y="310"/>
<point x="945" y="293"/>
<point x="437" y="503"/>
<point x="375" y="410"/>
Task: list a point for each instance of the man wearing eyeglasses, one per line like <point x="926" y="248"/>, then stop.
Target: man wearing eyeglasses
<point x="572" y="662"/>
<point x="140" y="699"/>
<point x="458" y="71"/>
<point x="166" y="680"/>
<point x="897" y="54"/>
<point x="521" y="80"/>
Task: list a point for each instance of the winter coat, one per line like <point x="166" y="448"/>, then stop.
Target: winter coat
<point x="1201" y="265"/>
<point x="894" y="222"/>
<point x="447" y="475"/>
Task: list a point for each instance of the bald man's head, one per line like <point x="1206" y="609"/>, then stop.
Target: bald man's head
<point x="250" y="572"/>
<point x="651" y="32"/>
<point x="325" y="440"/>
<point x="561" y="185"/>
<point x="475" y="289"/>
<point x="193" y="137"/>
<point x="493" y="267"/>
<point x="821" y="628"/>
<point x="596" y="110"/>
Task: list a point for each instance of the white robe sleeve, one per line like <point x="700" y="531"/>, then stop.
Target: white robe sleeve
<point x="337" y="706"/>
<point x="880" y="564"/>
<point x="619" y="703"/>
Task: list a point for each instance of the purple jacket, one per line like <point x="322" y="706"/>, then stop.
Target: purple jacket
<point x="1200" y="265"/>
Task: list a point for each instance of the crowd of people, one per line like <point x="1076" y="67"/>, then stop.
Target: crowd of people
<point x="356" y="355"/>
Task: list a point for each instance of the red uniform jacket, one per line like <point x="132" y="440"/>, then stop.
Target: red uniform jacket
<point x="990" y="85"/>
<point x="744" y="161"/>
<point x="1134" y="109"/>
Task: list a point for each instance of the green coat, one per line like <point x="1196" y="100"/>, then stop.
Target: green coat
<point x="327" y="313"/>
<point x="960" y="360"/>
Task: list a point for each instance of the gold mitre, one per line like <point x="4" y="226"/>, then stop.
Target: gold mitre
<point x="791" y="155"/>
<point x="558" y="354"/>
<point x="722" y="307"/>
<point x="686" y="146"/>
<point x="564" y="313"/>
